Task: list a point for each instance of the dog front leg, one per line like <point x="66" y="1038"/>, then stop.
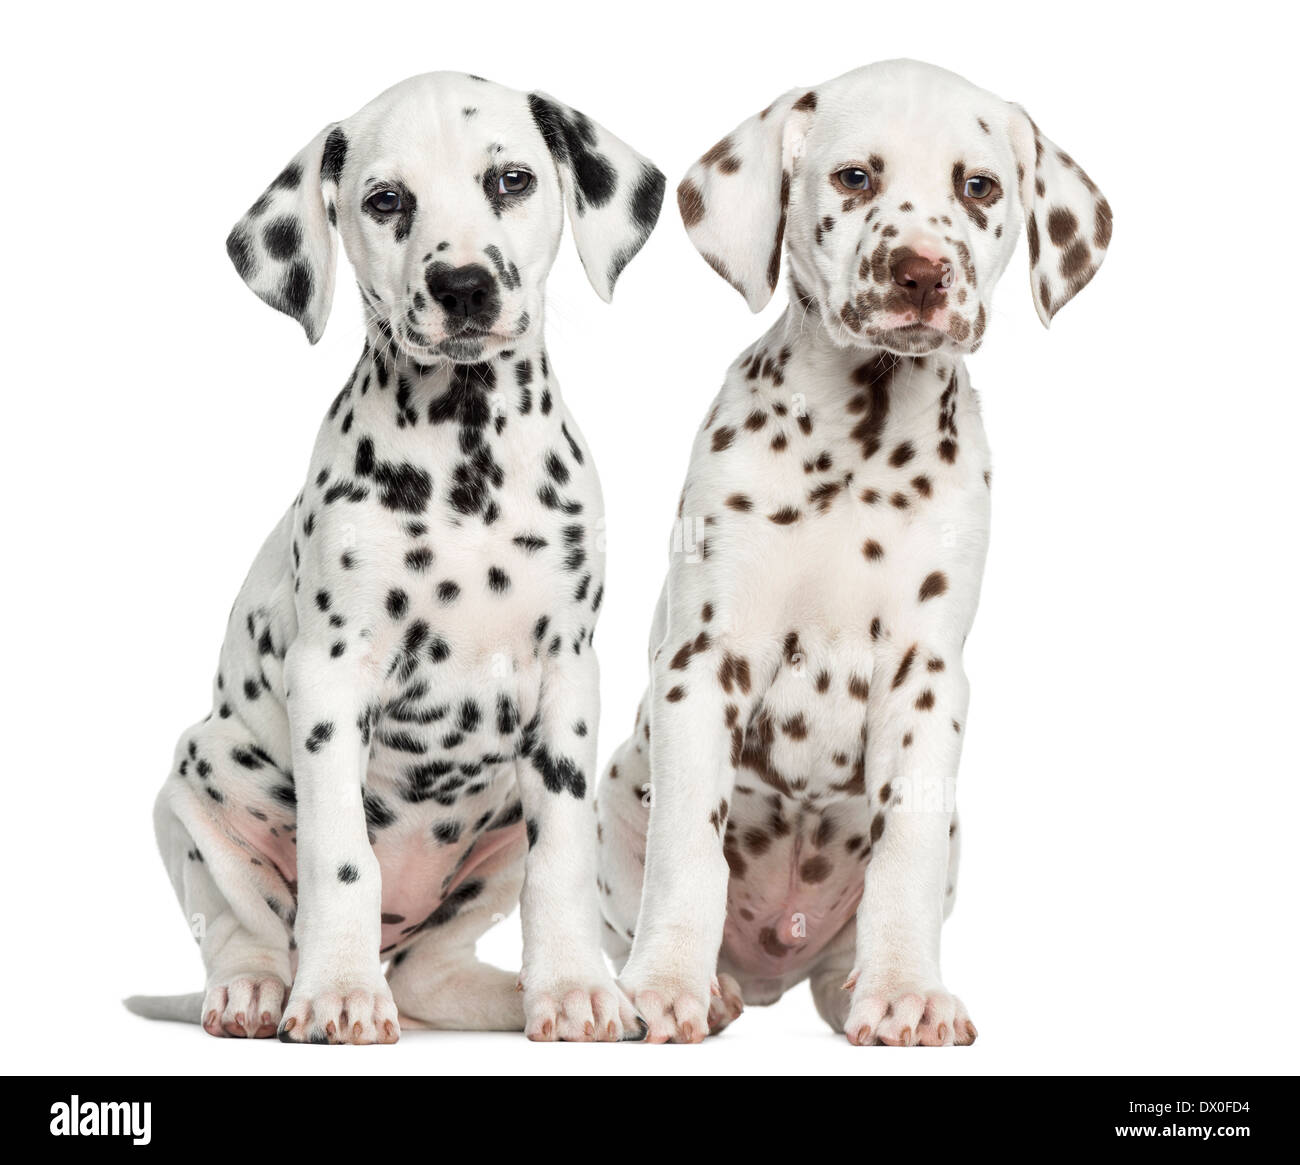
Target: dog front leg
<point x="914" y="744"/>
<point x="339" y="993"/>
<point x="569" y="993"/>
<point x="696" y="732"/>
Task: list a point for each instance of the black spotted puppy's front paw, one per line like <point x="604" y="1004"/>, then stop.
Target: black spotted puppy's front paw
<point x="345" y="1011"/>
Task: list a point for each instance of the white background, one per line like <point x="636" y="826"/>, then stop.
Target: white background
<point x="1128" y="792"/>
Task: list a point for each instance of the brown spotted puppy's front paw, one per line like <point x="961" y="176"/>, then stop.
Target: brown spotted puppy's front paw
<point x="588" y="1009"/>
<point x="725" y="1005"/>
<point x="675" y="1008"/>
<point x="340" y="1013"/>
<point x="903" y="1018"/>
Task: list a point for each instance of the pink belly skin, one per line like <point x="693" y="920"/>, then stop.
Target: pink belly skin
<point x="417" y="879"/>
<point x="783" y="910"/>
<point x="417" y="874"/>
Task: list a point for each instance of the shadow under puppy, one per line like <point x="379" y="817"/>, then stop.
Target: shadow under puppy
<point x="406" y="705"/>
<point x="784" y="808"/>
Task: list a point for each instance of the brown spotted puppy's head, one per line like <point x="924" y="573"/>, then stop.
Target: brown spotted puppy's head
<point x="448" y="193"/>
<point x="897" y="189"/>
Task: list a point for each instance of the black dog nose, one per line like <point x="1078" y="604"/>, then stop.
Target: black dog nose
<point x="462" y="291"/>
<point x="921" y="278"/>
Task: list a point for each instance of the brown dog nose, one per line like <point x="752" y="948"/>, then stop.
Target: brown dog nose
<point x="922" y="279"/>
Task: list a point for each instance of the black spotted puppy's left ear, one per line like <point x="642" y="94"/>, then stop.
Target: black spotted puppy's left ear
<point x="613" y="194"/>
<point x="284" y="247"/>
<point x="1067" y="220"/>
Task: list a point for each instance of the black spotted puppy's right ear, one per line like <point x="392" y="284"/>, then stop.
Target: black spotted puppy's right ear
<point x="284" y="247"/>
<point x="734" y="200"/>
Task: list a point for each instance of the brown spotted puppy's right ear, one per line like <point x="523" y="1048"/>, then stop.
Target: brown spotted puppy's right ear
<point x="283" y="247"/>
<point x="735" y="198"/>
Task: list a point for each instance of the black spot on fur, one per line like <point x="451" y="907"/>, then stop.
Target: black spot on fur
<point x="282" y="237"/>
<point x="334" y="155"/>
<point x="570" y="140"/>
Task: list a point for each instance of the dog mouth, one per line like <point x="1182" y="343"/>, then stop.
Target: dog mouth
<point x="908" y="339"/>
<point x="466" y="344"/>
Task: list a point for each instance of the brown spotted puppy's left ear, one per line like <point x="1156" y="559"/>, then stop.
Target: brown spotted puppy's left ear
<point x="283" y="247"/>
<point x="613" y="194"/>
<point x="1067" y="220"/>
<point x="734" y="200"/>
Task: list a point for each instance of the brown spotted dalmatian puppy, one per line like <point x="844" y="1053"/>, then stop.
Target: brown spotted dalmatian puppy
<point x="405" y="709"/>
<point x="784" y="808"/>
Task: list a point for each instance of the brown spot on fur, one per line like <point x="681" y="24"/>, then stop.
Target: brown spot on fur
<point x="675" y="694"/>
<point x="1102" y="225"/>
<point x="858" y="687"/>
<point x="816" y="869"/>
<point x="806" y="103"/>
<point x="723" y="438"/>
<point x="824" y="832"/>
<point x="796" y="728"/>
<point x="935" y="584"/>
<point x="873" y="402"/>
<point x="734" y="670"/>
<point x="723" y="156"/>
<point x="824" y="494"/>
<point x="873" y="550"/>
<point x="771" y="944"/>
<point x="902" y="455"/>
<point x="774" y="260"/>
<point x="925" y="701"/>
<point x="905" y="666"/>
<point x="785" y="516"/>
<point x="921" y="484"/>
<point x="1061" y="225"/>
<point x="690" y="202"/>
<point x="740" y="503"/>
<point x="1076" y="259"/>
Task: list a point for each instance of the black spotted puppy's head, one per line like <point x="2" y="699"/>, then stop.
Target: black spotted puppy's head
<point x="448" y="193"/>
<point x="897" y="190"/>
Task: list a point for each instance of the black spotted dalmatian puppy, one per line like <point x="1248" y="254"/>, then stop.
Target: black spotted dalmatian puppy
<point x="784" y="809"/>
<point x="405" y="709"/>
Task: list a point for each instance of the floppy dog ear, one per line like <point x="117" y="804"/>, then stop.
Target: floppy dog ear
<point x="283" y="247"/>
<point x="1067" y="220"/>
<point x="612" y="192"/>
<point x="735" y="198"/>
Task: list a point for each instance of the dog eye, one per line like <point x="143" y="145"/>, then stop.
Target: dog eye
<point x="979" y="186"/>
<point x="514" y="182"/>
<point x="385" y="201"/>
<point x="854" y="178"/>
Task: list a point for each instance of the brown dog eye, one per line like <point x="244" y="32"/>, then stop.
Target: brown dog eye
<point x="854" y="178"/>
<point x="385" y="201"/>
<point x="514" y="182"/>
<point x="979" y="186"/>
